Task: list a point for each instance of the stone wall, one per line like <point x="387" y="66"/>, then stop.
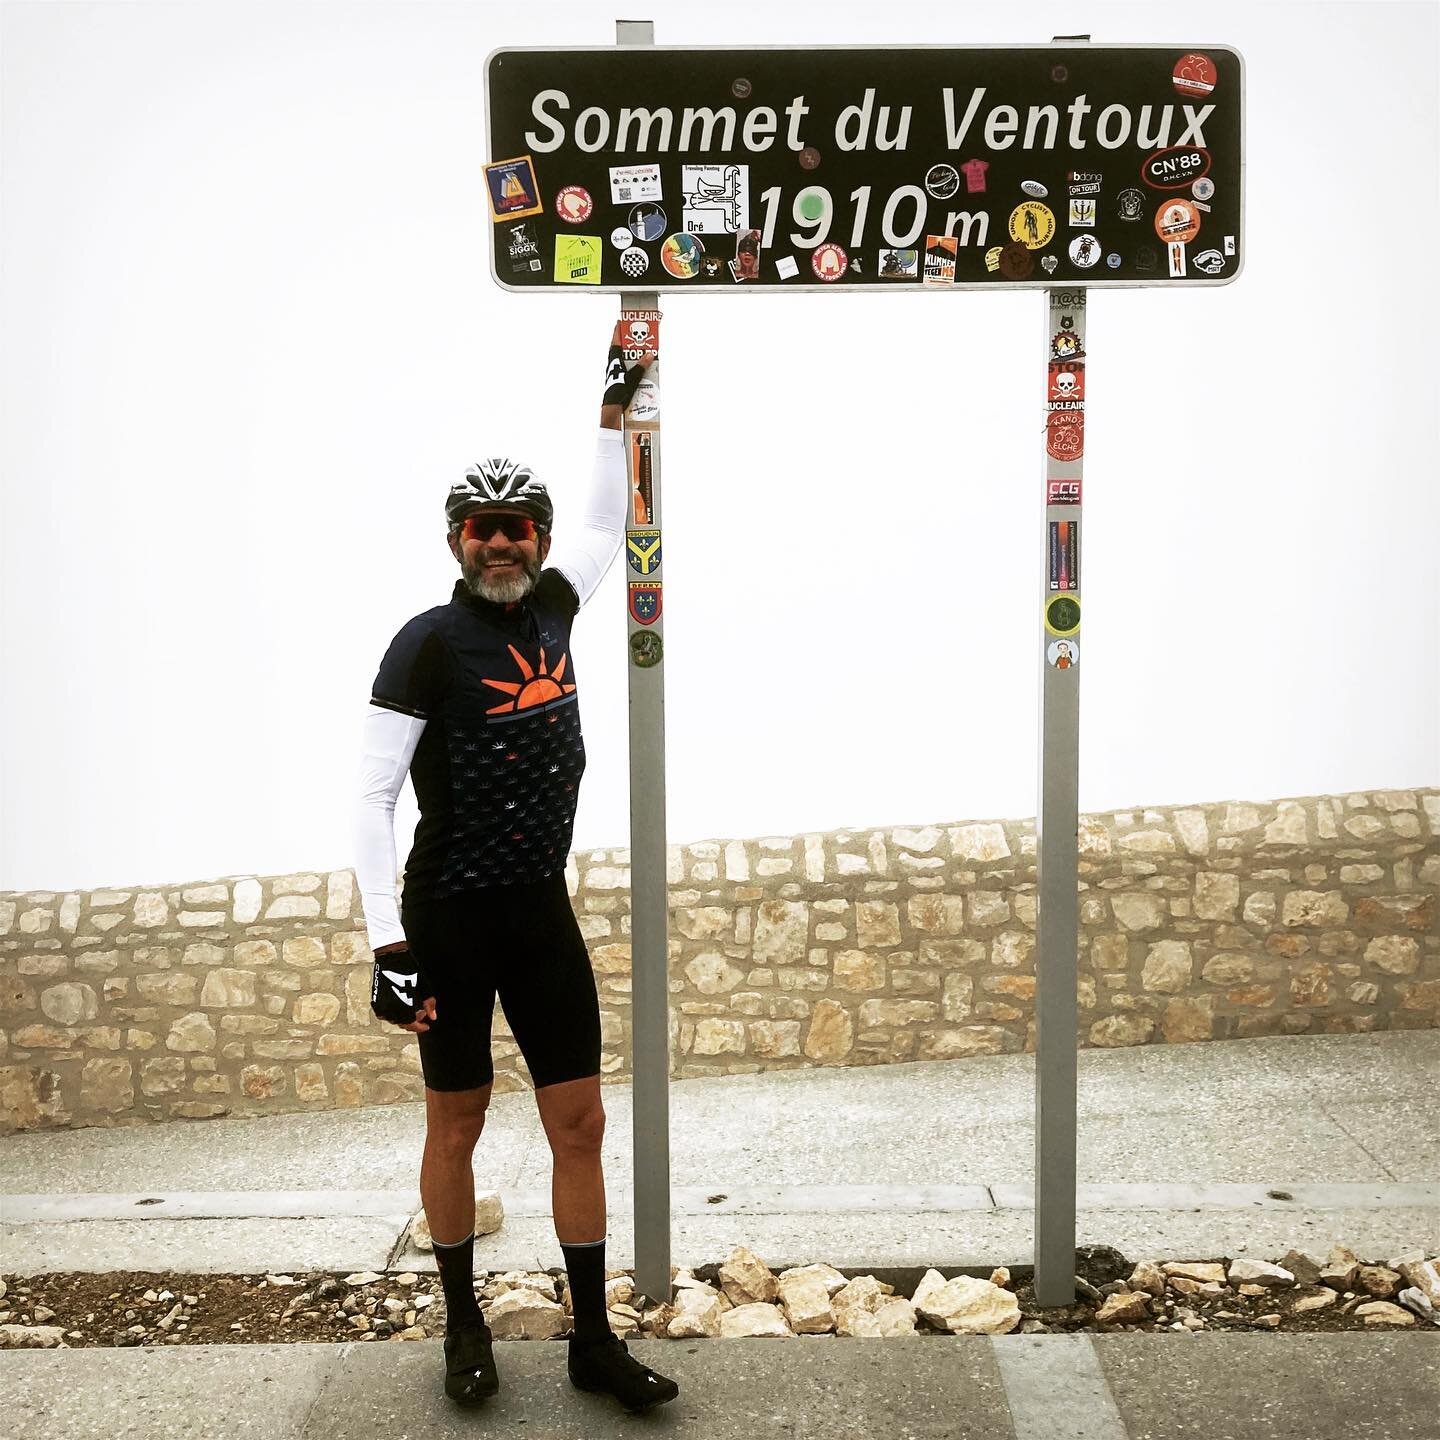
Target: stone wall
<point x="251" y="996"/>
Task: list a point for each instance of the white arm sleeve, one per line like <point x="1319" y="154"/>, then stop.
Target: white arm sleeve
<point x="590" y="548"/>
<point x="387" y="749"/>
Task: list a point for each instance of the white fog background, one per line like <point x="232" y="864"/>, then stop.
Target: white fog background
<point x="250" y="337"/>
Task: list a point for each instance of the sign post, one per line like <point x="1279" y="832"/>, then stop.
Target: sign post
<point x="925" y="169"/>
<point x="649" y="908"/>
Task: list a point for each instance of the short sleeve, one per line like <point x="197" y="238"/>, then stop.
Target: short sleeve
<point x="415" y="673"/>
<point x="555" y="592"/>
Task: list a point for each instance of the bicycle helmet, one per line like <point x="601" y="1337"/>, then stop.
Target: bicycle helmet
<point x="496" y="482"/>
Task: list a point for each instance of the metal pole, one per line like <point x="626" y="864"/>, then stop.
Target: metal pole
<point x="649" y="910"/>
<point x="1058" y="816"/>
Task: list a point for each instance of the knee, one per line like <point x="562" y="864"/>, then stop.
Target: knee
<point x="583" y="1132"/>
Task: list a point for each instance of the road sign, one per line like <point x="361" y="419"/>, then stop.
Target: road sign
<point x="925" y="168"/>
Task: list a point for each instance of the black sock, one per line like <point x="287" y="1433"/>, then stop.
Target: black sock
<point x="457" y="1276"/>
<point x="585" y="1265"/>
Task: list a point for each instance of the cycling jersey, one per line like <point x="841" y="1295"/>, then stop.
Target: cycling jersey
<point x="479" y="703"/>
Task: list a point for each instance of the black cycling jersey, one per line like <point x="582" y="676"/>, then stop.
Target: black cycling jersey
<point x="497" y="768"/>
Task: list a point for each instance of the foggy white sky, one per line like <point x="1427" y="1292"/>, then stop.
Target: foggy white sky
<point x="249" y="338"/>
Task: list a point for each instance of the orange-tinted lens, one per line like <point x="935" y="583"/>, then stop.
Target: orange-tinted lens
<point x="512" y="527"/>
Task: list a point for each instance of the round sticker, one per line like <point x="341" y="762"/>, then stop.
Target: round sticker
<point x="1203" y="188"/>
<point x="941" y="181"/>
<point x="1085" y="251"/>
<point x="1062" y="614"/>
<point x="1016" y="261"/>
<point x="1113" y="260"/>
<point x="829" y="262"/>
<point x="647" y="221"/>
<point x="682" y="255"/>
<point x="621" y="238"/>
<point x="634" y="262"/>
<point x="573" y="205"/>
<point x="1035" y="188"/>
<point x="810" y="203"/>
<point x="1194" y="74"/>
<point x="1065" y="434"/>
<point x="1177" y="220"/>
<point x="646" y="648"/>
<point x="1032" y="224"/>
<point x="1063" y="654"/>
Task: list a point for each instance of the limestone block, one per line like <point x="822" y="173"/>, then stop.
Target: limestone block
<point x="968" y="1306"/>
<point x="831" y="1035"/>
<point x="896" y="1012"/>
<point x="697" y="1314"/>
<point x="1188" y="1018"/>
<point x="302" y="951"/>
<point x="525" y="1314"/>
<point x="293" y="907"/>
<point x="226" y="989"/>
<point x="69" y="1004"/>
<point x="1260" y="1272"/>
<point x="1116" y="1030"/>
<point x="107" y="1084"/>
<point x="877" y="923"/>
<point x="962" y="1043"/>
<point x="774" y="1039"/>
<point x="781" y="931"/>
<point x="150" y="911"/>
<point x="263" y="1082"/>
<point x="936" y="914"/>
<point x="1394" y="954"/>
<point x="162" y="1076"/>
<point x="191" y="1033"/>
<point x="1124" y="1307"/>
<point x="1229" y="968"/>
<point x="1167" y="966"/>
<point x="757" y="1320"/>
<point x="339" y="895"/>
<point x="712" y="974"/>
<point x="1323" y="909"/>
<point x="719" y="1037"/>
<point x="980" y="843"/>
<point x="805" y="1303"/>
<point x="859" y="971"/>
<point x="1202" y="1272"/>
<point x="316" y="1008"/>
<point x="745" y="1278"/>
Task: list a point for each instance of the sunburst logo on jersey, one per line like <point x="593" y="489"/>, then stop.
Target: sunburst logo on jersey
<point x="537" y="689"/>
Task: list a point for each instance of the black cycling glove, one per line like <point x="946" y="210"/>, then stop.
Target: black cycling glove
<point x="399" y="987"/>
<point x="620" y="383"/>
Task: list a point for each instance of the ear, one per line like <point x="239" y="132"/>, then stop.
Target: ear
<point x="452" y="539"/>
<point x="544" y="546"/>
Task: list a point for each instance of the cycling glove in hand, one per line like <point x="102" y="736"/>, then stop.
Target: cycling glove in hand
<point x="399" y="987"/>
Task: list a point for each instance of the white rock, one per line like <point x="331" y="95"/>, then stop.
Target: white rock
<point x="697" y="1314"/>
<point x="1317" y="1301"/>
<point x="540" y="1283"/>
<point x="489" y="1217"/>
<point x="32" y="1337"/>
<point x="894" y="1318"/>
<point x="619" y="1291"/>
<point x="1412" y="1299"/>
<point x="1424" y="1275"/>
<point x="863" y="1293"/>
<point x="967" y="1306"/>
<point x="363" y="1277"/>
<point x="1382" y="1312"/>
<point x="1198" y="1271"/>
<point x="753" y="1320"/>
<point x="525" y="1314"/>
<point x="1259" y="1272"/>
<point x="834" y="1280"/>
<point x="806" y="1303"/>
<point x="746" y="1279"/>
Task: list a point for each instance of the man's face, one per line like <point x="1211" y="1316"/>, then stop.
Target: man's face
<point x="495" y="567"/>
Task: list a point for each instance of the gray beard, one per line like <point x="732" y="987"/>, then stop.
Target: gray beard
<point x="500" y="589"/>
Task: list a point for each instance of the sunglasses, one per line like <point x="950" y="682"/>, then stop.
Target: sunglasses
<point x="512" y="527"/>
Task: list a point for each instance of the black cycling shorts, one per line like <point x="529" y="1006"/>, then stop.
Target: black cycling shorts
<point x="521" y="941"/>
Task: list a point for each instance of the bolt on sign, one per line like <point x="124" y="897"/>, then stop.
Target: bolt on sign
<point x="822" y="169"/>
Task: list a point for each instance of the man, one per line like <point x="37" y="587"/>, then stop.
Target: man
<point x="477" y="700"/>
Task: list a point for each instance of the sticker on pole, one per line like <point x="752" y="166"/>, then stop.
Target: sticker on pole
<point x="1062" y="614"/>
<point x="646" y="648"/>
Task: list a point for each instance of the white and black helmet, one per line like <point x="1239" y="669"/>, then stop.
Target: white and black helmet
<point x="498" y="482"/>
